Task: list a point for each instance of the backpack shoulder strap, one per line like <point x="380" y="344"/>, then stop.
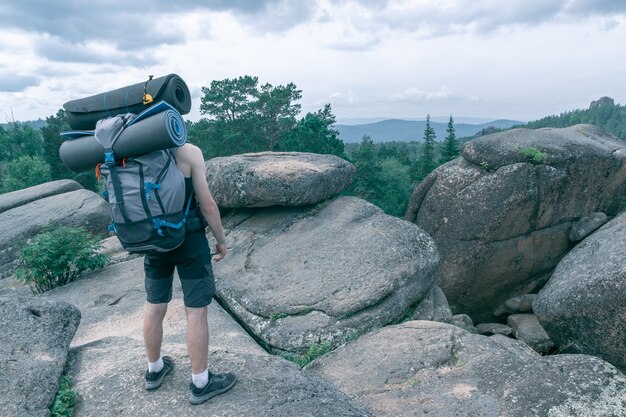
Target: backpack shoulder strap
<point x="107" y="132"/>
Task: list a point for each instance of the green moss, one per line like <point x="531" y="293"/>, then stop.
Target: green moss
<point x="274" y="317"/>
<point x="313" y="352"/>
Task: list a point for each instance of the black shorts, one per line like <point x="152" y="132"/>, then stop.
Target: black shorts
<point x="193" y="262"/>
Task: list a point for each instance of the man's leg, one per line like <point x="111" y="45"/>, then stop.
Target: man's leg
<point x="205" y="385"/>
<point x="158" y="367"/>
<point x="153" y="329"/>
<point x="196" y="277"/>
<point x="197" y="338"/>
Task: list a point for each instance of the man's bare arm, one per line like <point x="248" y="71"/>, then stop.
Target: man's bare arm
<point x="208" y="207"/>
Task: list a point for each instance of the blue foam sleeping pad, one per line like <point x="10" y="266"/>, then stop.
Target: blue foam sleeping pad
<point x="159" y="127"/>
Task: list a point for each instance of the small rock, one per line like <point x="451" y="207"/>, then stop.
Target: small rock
<point x="489" y="329"/>
<point x="464" y="322"/>
<point x="434" y="307"/>
<point x="527" y="328"/>
<point x="516" y="305"/>
<point x="586" y="225"/>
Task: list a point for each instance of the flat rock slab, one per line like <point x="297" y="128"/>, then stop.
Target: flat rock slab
<point x="266" y="386"/>
<point x="34" y="342"/>
<point x="27" y="195"/>
<point x="112" y="301"/>
<point x="583" y="306"/>
<point x="76" y="208"/>
<point x="107" y="362"/>
<point x="429" y="368"/>
<point x="277" y="178"/>
<point x="298" y="276"/>
<point x="501" y="214"/>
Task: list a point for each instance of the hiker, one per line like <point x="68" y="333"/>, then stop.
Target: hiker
<point x="193" y="262"/>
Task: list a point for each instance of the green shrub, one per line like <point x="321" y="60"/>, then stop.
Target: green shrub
<point x="315" y="351"/>
<point x="63" y="405"/>
<point x="57" y="257"/>
<point x="534" y="155"/>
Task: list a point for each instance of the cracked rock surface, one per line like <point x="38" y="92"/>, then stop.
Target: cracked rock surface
<point x="430" y="368"/>
<point x="277" y="178"/>
<point x="298" y="276"/>
<point x="34" y="341"/>
<point x="501" y="214"/>
<point x="75" y="208"/>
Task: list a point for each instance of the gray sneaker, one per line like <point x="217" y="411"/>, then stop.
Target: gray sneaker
<point x="218" y="384"/>
<point x="155" y="379"/>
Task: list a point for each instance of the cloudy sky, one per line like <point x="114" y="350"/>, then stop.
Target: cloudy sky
<point x="516" y="59"/>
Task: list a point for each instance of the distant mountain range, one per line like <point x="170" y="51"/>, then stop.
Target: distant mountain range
<point x="410" y="130"/>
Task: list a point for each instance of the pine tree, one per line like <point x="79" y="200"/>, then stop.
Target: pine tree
<point x="450" y="149"/>
<point x="366" y="183"/>
<point x="427" y="158"/>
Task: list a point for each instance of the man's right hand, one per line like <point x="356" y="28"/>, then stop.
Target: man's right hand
<point x="221" y="250"/>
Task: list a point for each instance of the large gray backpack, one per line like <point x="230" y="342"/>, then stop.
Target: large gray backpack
<point x="146" y="193"/>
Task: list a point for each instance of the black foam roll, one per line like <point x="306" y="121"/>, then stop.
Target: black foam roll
<point x="85" y="112"/>
<point x="159" y="131"/>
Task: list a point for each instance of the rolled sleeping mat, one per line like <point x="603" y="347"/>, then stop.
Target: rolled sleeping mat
<point x="149" y="132"/>
<point x="83" y="113"/>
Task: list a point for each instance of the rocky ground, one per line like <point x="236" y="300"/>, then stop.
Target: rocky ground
<point x="337" y="270"/>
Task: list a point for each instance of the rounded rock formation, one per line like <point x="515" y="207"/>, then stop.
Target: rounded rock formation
<point x="330" y="272"/>
<point x="277" y="179"/>
<point x="501" y="214"/>
<point x="582" y="307"/>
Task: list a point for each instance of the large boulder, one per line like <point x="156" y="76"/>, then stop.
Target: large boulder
<point x="277" y="178"/>
<point x="298" y="276"/>
<point x="583" y="306"/>
<point x="34" y="343"/>
<point x="107" y="361"/>
<point x="501" y="214"/>
<point x="76" y="208"/>
<point x="27" y="195"/>
<point x="430" y="368"/>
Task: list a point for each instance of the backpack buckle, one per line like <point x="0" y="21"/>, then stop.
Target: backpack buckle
<point x="109" y="158"/>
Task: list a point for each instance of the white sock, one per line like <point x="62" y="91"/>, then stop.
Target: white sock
<point x="200" y="380"/>
<point x="155" y="366"/>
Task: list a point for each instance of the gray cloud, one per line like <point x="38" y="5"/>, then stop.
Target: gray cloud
<point x="55" y="49"/>
<point x="478" y="16"/>
<point x="17" y="83"/>
<point x="132" y="25"/>
<point x="595" y="7"/>
<point x="281" y="15"/>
